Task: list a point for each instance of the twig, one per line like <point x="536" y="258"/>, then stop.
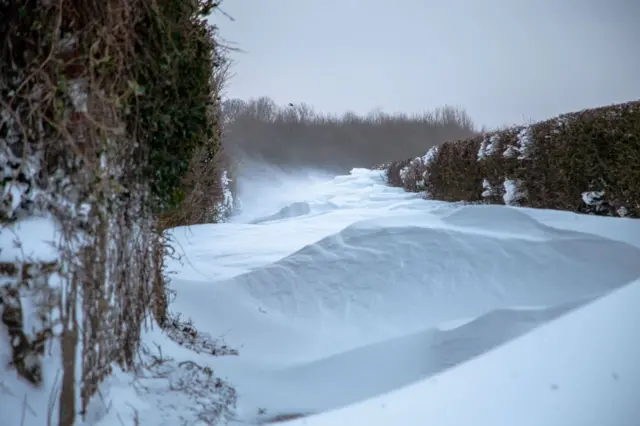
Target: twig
<point x="49" y="56"/>
<point x="24" y="409"/>
<point x="180" y="364"/>
<point x="52" y="399"/>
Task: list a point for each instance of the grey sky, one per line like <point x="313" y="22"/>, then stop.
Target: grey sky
<point x="505" y="61"/>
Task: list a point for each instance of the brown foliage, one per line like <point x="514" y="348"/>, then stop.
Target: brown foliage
<point x="394" y="170"/>
<point x="496" y="167"/>
<point x="77" y="136"/>
<point x="96" y="133"/>
<point x="297" y="136"/>
<point x="455" y="174"/>
<point x="553" y="163"/>
<point x="204" y="191"/>
<point x="590" y="150"/>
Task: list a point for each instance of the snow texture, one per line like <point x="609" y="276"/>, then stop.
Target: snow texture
<point x="524" y="142"/>
<point x="353" y="303"/>
<point x="225" y="207"/>
<point x="430" y="156"/>
<point x="487" y="146"/>
<point x="488" y="190"/>
<point x="592" y="198"/>
<point x="513" y="192"/>
<point x="510" y="152"/>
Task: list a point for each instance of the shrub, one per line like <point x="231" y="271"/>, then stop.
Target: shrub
<point x="177" y="113"/>
<point x="589" y="152"/>
<point x="453" y="174"/>
<point x="587" y="162"/>
<point x="103" y="106"/>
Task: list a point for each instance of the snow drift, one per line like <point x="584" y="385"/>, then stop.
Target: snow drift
<point x="358" y="304"/>
<point x="385" y="289"/>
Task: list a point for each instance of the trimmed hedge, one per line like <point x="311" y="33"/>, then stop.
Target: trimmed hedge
<point x="585" y="162"/>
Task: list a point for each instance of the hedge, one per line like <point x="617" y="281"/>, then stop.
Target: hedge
<point x="585" y="162"/>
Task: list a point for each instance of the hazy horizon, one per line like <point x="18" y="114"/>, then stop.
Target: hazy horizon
<point x="505" y="62"/>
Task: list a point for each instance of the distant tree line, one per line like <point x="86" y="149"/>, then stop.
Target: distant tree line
<point x="295" y="135"/>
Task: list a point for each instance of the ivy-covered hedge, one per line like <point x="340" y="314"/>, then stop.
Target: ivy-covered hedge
<point x="586" y="162"/>
<point x="177" y="111"/>
<point x="103" y="107"/>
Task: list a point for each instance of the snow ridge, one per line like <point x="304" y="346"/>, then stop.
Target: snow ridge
<point x="348" y="302"/>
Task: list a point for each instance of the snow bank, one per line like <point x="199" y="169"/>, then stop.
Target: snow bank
<point x="580" y="369"/>
<point x="388" y="309"/>
<point x="386" y="290"/>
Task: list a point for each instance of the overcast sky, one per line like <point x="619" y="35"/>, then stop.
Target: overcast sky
<point x="505" y="61"/>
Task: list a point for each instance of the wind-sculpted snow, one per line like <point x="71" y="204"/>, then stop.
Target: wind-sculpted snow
<point x="356" y="289"/>
<point x="297" y="209"/>
<point x="389" y="276"/>
<point x="357" y="304"/>
<point x="503" y="222"/>
<point x="375" y="369"/>
<point x="578" y="369"/>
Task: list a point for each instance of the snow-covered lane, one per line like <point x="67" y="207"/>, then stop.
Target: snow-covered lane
<point x="580" y="369"/>
<point x="343" y="295"/>
<point x="352" y="303"/>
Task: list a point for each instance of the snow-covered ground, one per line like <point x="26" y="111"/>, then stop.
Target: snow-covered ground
<point x="353" y="303"/>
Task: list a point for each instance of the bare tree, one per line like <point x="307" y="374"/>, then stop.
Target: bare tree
<point x="296" y="135"/>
